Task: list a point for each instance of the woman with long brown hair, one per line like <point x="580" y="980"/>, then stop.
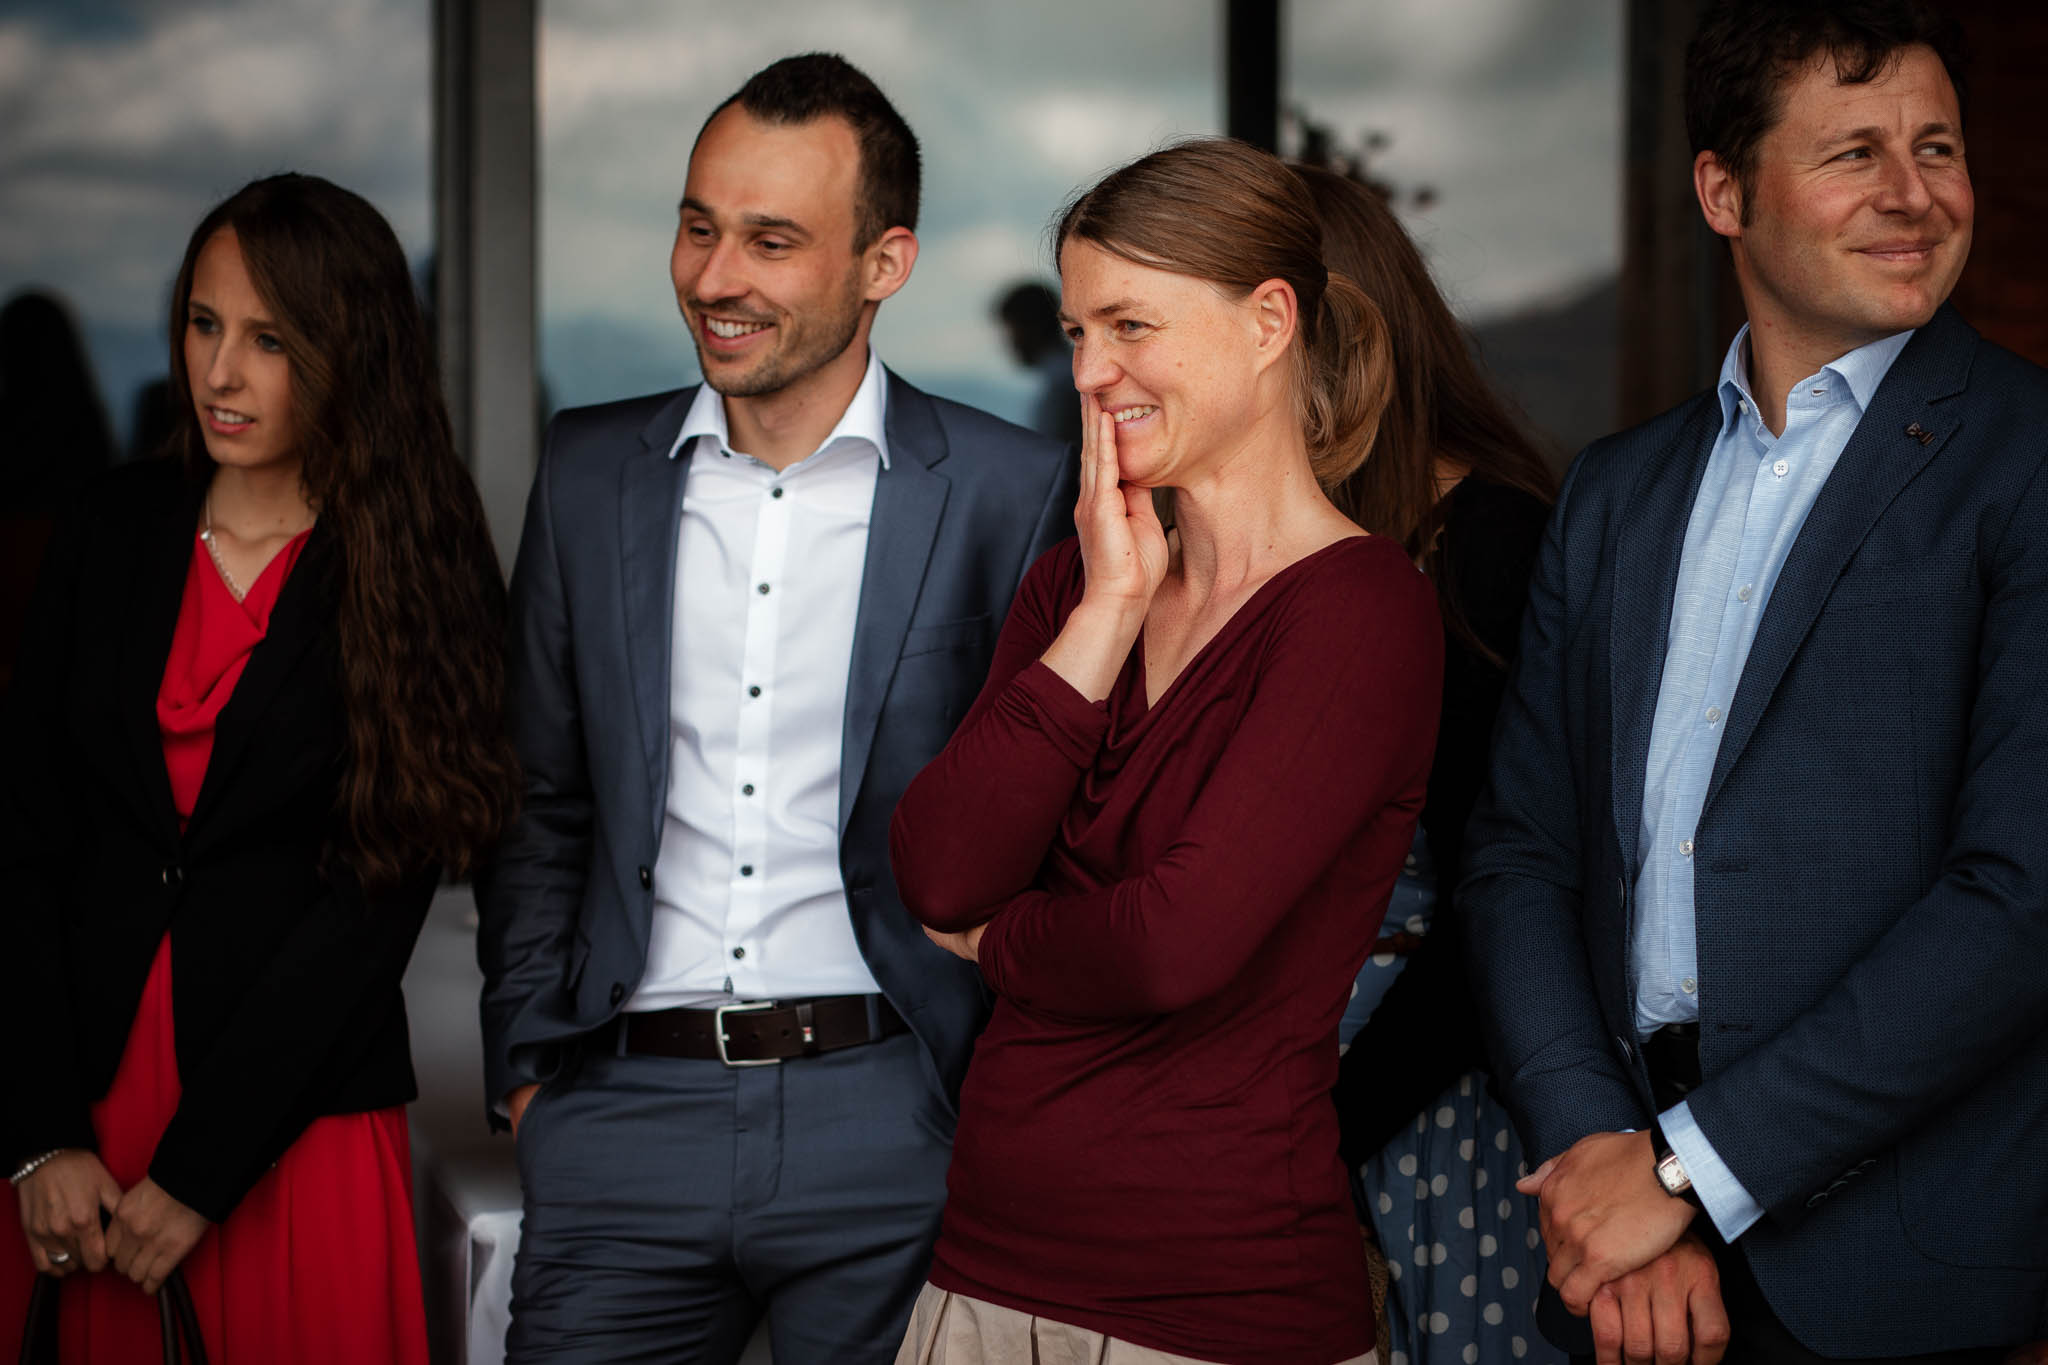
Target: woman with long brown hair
<point x="1454" y="478"/>
<point x="1167" y="826"/>
<point x="255" y="718"/>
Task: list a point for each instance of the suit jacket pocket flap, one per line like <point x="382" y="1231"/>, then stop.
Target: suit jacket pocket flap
<point x="967" y="634"/>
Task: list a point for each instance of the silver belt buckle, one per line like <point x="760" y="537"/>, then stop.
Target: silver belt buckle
<point x="718" y="1029"/>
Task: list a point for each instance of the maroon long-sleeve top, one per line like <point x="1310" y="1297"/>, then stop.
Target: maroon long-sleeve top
<point x="1177" y="897"/>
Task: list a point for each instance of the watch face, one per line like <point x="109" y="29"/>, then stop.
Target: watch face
<point x="1671" y="1175"/>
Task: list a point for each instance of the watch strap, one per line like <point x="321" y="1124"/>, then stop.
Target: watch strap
<point x="1661" y="1151"/>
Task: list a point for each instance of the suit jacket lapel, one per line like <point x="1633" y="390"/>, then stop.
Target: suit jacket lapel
<point x="1648" y="546"/>
<point x="909" y="496"/>
<point x="650" y="526"/>
<point x="1882" y="456"/>
<point x="305" y="608"/>
<point x="163" y="556"/>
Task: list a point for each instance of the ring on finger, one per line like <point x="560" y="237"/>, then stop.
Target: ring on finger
<point x="59" y="1257"/>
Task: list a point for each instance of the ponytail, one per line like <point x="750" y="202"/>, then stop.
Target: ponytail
<point x="1226" y="212"/>
<point x="1345" y="378"/>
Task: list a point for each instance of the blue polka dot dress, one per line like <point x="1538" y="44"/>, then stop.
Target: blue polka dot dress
<point x="1462" y="1245"/>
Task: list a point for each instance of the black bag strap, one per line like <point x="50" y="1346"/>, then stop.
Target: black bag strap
<point x="174" y="1303"/>
<point x="183" y="1345"/>
<point x="39" y="1328"/>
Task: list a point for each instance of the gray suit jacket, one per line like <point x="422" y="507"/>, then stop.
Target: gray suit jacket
<point x="966" y="504"/>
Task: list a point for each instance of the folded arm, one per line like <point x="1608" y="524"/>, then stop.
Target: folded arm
<point x="1339" y="728"/>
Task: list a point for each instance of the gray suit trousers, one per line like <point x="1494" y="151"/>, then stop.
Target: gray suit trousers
<point x="670" y="1203"/>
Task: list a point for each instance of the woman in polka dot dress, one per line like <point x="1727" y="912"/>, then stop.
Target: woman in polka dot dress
<point x="1454" y="479"/>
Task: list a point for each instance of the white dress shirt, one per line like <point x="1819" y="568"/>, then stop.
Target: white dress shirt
<point x="748" y="899"/>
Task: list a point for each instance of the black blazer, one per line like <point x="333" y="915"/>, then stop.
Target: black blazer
<point x="285" y="979"/>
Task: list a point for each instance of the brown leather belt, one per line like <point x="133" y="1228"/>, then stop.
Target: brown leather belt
<point x="757" y="1033"/>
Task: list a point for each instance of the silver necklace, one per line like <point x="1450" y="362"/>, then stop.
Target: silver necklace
<point x="206" y="534"/>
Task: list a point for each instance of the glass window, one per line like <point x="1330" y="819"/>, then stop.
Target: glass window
<point x="125" y="122"/>
<point x="1497" y="127"/>
<point x="1016" y="107"/>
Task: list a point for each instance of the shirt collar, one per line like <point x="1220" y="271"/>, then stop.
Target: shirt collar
<point x="865" y="418"/>
<point x="1862" y="369"/>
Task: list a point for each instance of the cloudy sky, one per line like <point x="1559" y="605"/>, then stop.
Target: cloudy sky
<point x="1509" y="109"/>
<point x="1012" y="113"/>
<point x="122" y="120"/>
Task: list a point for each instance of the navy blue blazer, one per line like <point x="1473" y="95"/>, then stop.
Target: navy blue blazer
<point x="967" y="503"/>
<point x="1871" y="867"/>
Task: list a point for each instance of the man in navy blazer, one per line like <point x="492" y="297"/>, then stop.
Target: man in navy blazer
<point x="1758" y="898"/>
<point x="744" y="616"/>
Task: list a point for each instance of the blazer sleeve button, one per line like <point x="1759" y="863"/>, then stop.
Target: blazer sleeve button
<point x="646" y="877"/>
<point x="618" y="992"/>
<point x="173" y="874"/>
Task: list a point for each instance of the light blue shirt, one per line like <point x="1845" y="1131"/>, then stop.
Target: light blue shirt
<point x="1755" y="496"/>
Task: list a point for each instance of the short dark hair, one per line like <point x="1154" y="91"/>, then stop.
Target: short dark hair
<point x="818" y="85"/>
<point x="1740" y="56"/>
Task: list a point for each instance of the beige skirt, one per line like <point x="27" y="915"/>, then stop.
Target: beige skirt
<point x="952" y="1329"/>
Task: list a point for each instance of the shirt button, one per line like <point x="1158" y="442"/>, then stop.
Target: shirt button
<point x="1781" y="469"/>
<point x="1689" y="986"/>
<point x="1818" y="392"/>
<point x="1713" y="714"/>
<point x="1685" y="849"/>
<point x="746" y="789"/>
<point x="1741" y="405"/>
<point x="1742" y="594"/>
<point x="754" y="691"/>
<point x="746" y="869"/>
<point x="762" y="588"/>
<point x="775" y="492"/>
<point x="739" y="953"/>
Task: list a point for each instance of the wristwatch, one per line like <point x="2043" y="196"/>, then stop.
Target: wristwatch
<point x="1671" y="1173"/>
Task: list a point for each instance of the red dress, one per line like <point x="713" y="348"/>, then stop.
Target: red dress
<point x="317" y="1263"/>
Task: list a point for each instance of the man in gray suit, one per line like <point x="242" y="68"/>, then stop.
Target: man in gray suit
<point x="744" y="616"/>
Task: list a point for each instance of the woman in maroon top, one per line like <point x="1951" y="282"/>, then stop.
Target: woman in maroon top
<point x="1169" y="826"/>
<point x="255" y="714"/>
